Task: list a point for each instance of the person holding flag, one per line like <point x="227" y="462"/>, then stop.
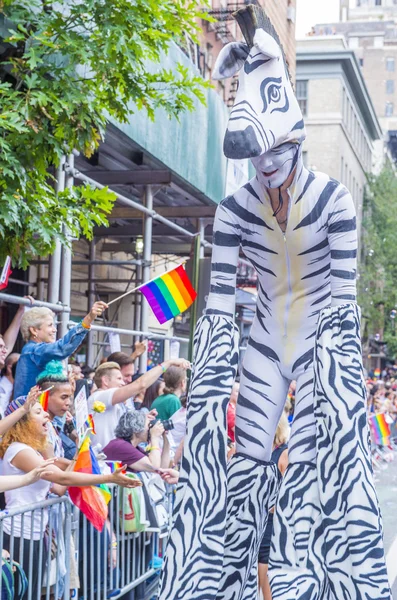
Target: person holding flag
<point x="38" y="331"/>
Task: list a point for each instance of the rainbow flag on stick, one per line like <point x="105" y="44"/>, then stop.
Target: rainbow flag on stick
<point x="168" y="295"/>
<point x="92" y="501"/>
<point x="380" y="429"/>
<point x="90" y="424"/>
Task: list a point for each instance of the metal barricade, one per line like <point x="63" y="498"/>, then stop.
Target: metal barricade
<point x="38" y="538"/>
<point x="67" y="558"/>
<point x="128" y="567"/>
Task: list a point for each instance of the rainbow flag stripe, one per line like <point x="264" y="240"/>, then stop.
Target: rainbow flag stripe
<point x="380" y="429"/>
<point x="170" y="294"/>
<point x="90" y="424"/>
<point x="92" y="501"/>
<point x="114" y="465"/>
<point x="43" y="399"/>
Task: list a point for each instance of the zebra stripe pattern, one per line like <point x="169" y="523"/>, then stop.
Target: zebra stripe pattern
<point x="327" y="540"/>
<point x="251" y="488"/>
<point x="353" y="544"/>
<point x="194" y="554"/>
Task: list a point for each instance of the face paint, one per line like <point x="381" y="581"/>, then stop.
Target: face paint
<point x="274" y="167"/>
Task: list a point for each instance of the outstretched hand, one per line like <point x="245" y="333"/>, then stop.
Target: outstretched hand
<point x="119" y="478"/>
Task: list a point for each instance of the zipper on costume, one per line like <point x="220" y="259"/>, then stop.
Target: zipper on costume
<point x="288" y="304"/>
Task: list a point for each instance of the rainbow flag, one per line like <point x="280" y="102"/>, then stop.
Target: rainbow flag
<point x="43" y="399"/>
<point x="380" y="429"/>
<point x="170" y="294"/>
<point x="90" y="424"/>
<point x="92" y="501"/>
<point x="114" y="465"/>
<point x="377" y="373"/>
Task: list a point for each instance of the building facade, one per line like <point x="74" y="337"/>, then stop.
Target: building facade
<point x="341" y="123"/>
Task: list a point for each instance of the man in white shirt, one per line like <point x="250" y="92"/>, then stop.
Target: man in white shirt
<point x="112" y="392"/>
<point x="7" y="381"/>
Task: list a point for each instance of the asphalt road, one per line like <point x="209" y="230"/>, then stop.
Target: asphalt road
<point x="386" y="485"/>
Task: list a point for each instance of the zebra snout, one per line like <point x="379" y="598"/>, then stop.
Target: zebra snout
<point x="242" y="144"/>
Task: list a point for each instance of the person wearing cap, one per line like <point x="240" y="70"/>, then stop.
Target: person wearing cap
<point x="38" y="331"/>
<point x="132" y="430"/>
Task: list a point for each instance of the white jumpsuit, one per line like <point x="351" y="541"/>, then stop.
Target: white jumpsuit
<point x="309" y="267"/>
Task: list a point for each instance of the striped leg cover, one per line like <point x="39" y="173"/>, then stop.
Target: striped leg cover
<point x="327" y="540"/>
<point x="296" y="569"/>
<point x="353" y="542"/>
<point x="252" y="488"/>
<point x="194" y="554"/>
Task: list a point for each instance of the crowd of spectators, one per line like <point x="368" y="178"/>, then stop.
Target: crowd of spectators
<point x="38" y="448"/>
<point x="140" y="421"/>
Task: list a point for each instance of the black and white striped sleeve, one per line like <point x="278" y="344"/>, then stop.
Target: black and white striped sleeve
<point x="225" y="253"/>
<point x="342" y="238"/>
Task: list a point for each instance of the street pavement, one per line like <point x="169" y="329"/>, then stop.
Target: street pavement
<point x="386" y="486"/>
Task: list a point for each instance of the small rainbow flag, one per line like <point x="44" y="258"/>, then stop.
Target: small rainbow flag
<point x="380" y="429"/>
<point x="43" y="399"/>
<point x="170" y="294"/>
<point x="377" y="373"/>
<point x="92" y="501"/>
<point x="114" y="465"/>
<point x="90" y="424"/>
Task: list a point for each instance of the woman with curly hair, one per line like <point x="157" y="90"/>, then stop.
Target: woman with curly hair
<point x="21" y="449"/>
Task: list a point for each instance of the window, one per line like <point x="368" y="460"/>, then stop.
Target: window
<point x="389" y="109"/>
<point x="361" y="62"/>
<point x="378" y="41"/>
<point x="390" y="64"/>
<point x="390" y="86"/>
<point x="378" y="2"/>
<point x="301" y="95"/>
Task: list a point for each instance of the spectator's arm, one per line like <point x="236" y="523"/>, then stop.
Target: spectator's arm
<point x="63" y="348"/>
<point x="139" y="349"/>
<point x="10" y="336"/>
<point x="141" y="384"/>
<point x="12" y="482"/>
<point x="28" y="459"/>
<point x="143" y="464"/>
<point x="179" y="452"/>
<point x="165" y="455"/>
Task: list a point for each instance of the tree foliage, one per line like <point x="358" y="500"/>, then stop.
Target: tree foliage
<point x="378" y="272"/>
<point x="66" y="68"/>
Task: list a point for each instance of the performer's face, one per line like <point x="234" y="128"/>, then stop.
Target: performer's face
<point x="274" y="167"/>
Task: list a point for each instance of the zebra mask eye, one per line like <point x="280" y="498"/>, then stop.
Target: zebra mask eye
<point x="274" y="93"/>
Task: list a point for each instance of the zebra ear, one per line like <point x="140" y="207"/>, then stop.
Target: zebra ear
<point x="267" y="44"/>
<point x="230" y="60"/>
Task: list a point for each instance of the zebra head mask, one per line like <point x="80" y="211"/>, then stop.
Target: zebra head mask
<point x="266" y="113"/>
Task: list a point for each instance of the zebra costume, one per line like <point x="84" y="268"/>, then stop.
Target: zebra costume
<point x="327" y="542"/>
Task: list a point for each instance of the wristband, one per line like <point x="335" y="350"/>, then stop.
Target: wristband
<point x="85" y="326"/>
<point x="163" y="368"/>
<point x="150" y="448"/>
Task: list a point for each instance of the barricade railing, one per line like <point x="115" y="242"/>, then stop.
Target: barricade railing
<point x="67" y="558"/>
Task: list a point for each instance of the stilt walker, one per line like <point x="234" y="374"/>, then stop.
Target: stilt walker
<point x="298" y="230"/>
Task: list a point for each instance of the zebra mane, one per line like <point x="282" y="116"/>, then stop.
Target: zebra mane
<point x="253" y="17"/>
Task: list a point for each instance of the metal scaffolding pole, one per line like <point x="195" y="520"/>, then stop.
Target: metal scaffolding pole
<point x="54" y="270"/>
<point x="144" y="209"/>
<point x="57" y="308"/>
<point x="137" y="304"/>
<point x="66" y="269"/>
<point x="132" y="332"/>
<point x="91" y="300"/>
<point x="147" y="255"/>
